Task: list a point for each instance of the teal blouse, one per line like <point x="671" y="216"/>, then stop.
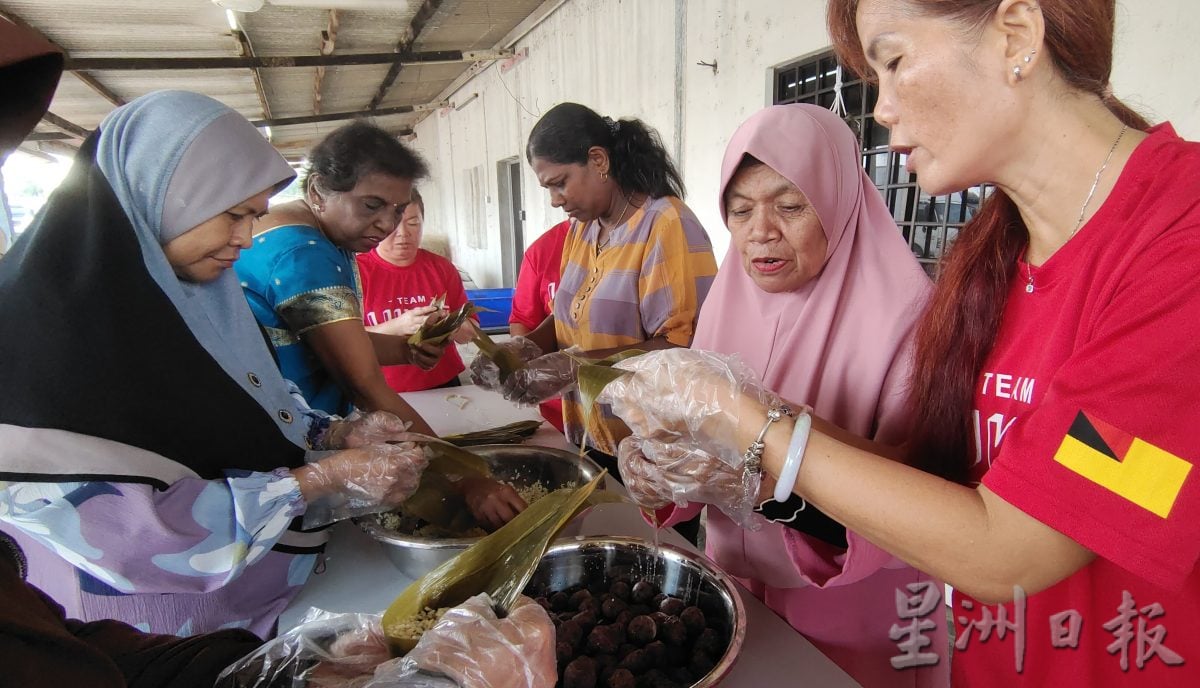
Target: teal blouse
<point x="296" y="280"/>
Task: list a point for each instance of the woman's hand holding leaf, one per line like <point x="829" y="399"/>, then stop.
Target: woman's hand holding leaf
<point x="542" y="378"/>
<point x="486" y="373"/>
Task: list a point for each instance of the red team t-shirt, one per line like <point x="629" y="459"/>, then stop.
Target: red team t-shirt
<point x="533" y="299"/>
<point x="389" y="290"/>
<point x="1088" y="419"/>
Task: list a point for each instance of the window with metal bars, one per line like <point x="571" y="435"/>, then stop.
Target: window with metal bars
<point x="929" y="223"/>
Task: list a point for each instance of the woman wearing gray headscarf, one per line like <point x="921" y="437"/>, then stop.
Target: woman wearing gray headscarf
<point x="149" y="443"/>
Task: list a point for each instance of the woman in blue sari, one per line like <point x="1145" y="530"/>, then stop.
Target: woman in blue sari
<point x="301" y="279"/>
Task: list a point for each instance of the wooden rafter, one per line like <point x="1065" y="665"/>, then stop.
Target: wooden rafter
<point x="340" y="60"/>
<point x="336" y="116"/>
<point x="328" y="43"/>
<point x="424" y="14"/>
<point x="246" y="49"/>
<point x="49" y="136"/>
<point x="69" y="127"/>
<point x="85" y="78"/>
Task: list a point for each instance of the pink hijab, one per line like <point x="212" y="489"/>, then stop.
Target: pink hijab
<point x="833" y="343"/>
<point x="842" y="343"/>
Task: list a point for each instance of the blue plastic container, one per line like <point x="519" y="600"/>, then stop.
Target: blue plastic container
<point x="499" y="305"/>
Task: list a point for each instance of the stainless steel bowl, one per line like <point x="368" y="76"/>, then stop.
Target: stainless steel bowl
<point x="675" y="571"/>
<point x="519" y="464"/>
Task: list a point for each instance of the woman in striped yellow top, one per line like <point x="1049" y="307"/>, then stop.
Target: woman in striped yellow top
<point x="636" y="264"/>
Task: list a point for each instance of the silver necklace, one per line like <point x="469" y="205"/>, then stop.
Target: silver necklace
<point x="1083" y="210"/>
<point x="616" y="223"/>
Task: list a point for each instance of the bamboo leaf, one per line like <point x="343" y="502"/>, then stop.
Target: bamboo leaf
<point x="441" y="330"/>
<point x="513" y="433"/>
<point x="505" y="359"/>
<point x="499" y="564"/>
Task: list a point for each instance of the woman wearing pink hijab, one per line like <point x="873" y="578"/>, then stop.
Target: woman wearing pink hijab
<point x="818" y="278"/>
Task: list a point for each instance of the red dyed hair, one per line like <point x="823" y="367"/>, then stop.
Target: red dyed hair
<point x="959" y="327"/>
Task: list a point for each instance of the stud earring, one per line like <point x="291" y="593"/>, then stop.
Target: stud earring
<point x="1017" y="73"/>
<point x="1029" y="57"/>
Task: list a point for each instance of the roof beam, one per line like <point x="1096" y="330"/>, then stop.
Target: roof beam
<point x="29" y="149"/>
<point x="69" y="127"/>
<point x="336" y="116"/>
<point x="49" y="136"/>
<point x="424" y="14"/>
<point x="246" y="49"/>
<point x="87" y="79"/>
<point x="178" y="63"/>
<point x="328" y="43"/>
<point x="90" y="81"/>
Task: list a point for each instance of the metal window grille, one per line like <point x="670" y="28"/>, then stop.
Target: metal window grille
<point x="929" y="223"/>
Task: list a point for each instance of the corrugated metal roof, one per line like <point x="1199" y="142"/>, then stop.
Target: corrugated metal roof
<point x="158" y="29"/>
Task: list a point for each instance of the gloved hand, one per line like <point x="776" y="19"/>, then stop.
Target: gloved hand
<point x="542" y="378"/>
<point x="486" y="374"/>
<point x="360" y="481"/>
<point x="475" y="649"/>
<point x="468" y="648"/>
<point x="657" y="474"/>
<point x="492" y="503"/>
<point x="688" y="396"/>
<point x="360" y="430"/>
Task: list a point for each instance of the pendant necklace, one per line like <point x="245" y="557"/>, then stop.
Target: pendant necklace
<point x="600" y="246"/>
<point x="1082" y="211"/>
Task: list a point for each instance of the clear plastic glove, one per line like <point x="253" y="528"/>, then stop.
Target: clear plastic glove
<point x="657" y="474"/>
<point x="492" y="503"/>
<point x="360" y="430"/>
<point x="545" y="377"/>
<point x="407" y="323"/>
<point x="326" y="651"/>
<point x="486" y="374"/>
<point x="355" y="482"/>
<point x="688" y="396"/>
<point x="468" y="648"/>
<point x="475" y="649"/>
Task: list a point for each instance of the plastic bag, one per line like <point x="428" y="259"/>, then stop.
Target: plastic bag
<point x="470" y="647"/>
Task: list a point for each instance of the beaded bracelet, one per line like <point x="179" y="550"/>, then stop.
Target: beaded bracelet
<point x="753" y="455"/>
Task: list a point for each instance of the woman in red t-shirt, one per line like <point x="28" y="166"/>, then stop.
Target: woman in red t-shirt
<point x="400" y="282"/>
<point x="533" y="299"/>
<point x="1054" y="381"/>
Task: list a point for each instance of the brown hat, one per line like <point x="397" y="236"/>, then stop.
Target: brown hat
<point x="29" y="70"/>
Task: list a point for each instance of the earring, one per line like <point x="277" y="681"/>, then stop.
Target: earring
<point x="1017" y="73"/>
<point x="1029" y="57"/>
<point x="604" y="176"/>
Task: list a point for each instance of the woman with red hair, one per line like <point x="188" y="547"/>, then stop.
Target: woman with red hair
<point x="1053" y="383"/>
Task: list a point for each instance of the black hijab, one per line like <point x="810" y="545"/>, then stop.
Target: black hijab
<point x="98" y="338"/>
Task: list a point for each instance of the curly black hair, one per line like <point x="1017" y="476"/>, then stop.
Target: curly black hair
<point x="356" y="150"/>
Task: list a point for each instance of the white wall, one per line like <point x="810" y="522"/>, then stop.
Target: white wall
<point x="619" y="57"/>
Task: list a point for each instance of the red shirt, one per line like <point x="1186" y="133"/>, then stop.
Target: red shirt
<point x="533" y="298"/>
<point x="1086" y="415"/>
<point x="389" y="290"/>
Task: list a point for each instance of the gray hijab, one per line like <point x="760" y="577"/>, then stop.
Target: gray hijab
<point x="175" y="159"/>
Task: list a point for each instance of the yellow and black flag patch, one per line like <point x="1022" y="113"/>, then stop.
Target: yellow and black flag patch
<point x="1132" y="468"/>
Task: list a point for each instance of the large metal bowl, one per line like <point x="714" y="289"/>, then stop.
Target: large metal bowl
<point x="519" y="464"/>
<point x="675" y="571"/>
